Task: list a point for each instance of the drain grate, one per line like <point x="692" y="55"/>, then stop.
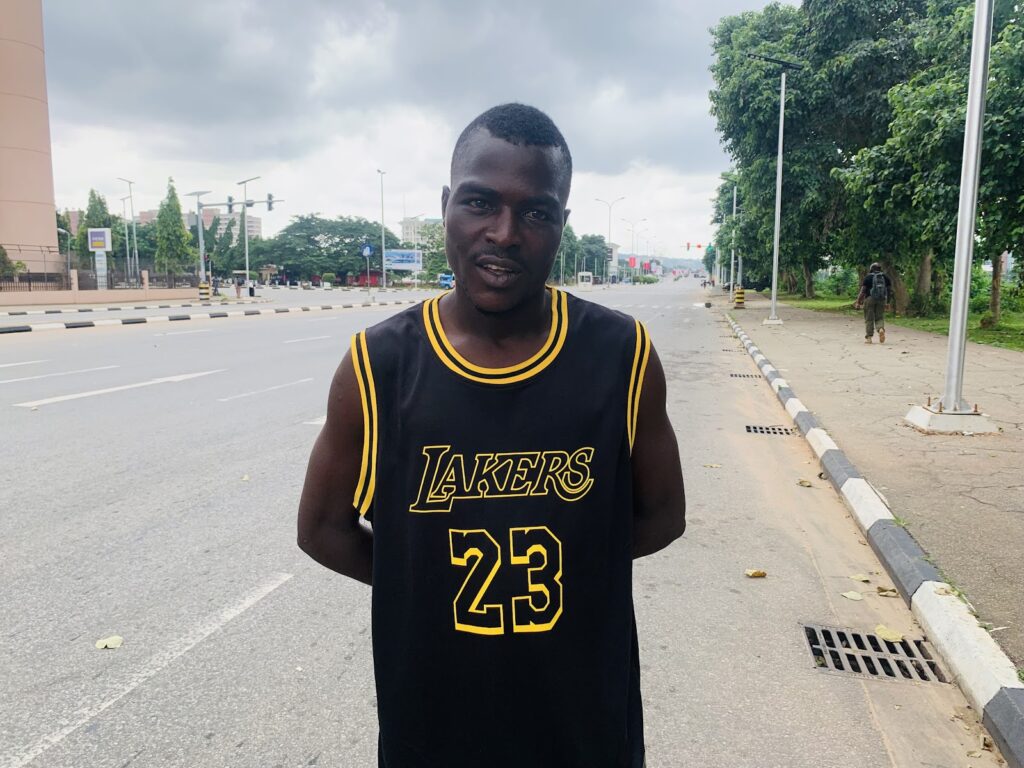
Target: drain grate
<point x="731" y="349"/>
<point x="866" y="655"/>
<point x="745" y="375"/>
<point x="773" y="430"/>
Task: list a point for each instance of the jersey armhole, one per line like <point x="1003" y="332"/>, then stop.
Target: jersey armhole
<point x="363" y="497"/>
<point x="641" y="353"/>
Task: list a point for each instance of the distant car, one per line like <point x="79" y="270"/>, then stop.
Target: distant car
<point x="446" y="280"/>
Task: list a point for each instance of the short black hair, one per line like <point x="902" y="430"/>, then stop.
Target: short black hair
<point x="518" y="124"/>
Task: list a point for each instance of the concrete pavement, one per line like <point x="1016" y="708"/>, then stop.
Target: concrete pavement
<point x="161" y="508"/>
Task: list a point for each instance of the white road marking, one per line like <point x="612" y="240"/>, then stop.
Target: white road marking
<point x="62" y="373"/>
<point x="317" y="422"/>
<point x="310" y="338"/>
<point x="182" y="333"/>
<point x="154" y="666"/>
<point x="151" y="382"/>
<point x="261" y="391"/>
<point x="27" y="362"/>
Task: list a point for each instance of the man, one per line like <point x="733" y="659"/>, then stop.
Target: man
<point x="875" y="293"/>
<point x="510" y="446"/>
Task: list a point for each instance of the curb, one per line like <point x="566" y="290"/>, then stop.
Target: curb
<point x="983" y="672"/>
<point x="197" y="316"/>
<point x="23" y="312"/>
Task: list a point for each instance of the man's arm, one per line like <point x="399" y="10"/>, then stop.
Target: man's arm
<point x="329" y="529"/>
<point x="659" y="501"/>
<point x="862" y="295"/>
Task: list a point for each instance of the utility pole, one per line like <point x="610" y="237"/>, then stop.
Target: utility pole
<point x="952" y="413"/>
<point x="135" y="235"/>
<point x="732" y="258"/>
<point x="383" y="267"/>
<point x="199" y="228"/>
<point x="245" y="225"/>
<point x="615" y="271"/>
<point x="773" y="317"/>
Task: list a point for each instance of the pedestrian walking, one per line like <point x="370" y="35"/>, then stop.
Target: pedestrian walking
<point x="494" y="505"/>
<point x="875" y="294"/>
<point x="238" y="287"/>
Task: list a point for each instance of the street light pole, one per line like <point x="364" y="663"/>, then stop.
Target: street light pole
<point x="199" y="228"/>
<point x="953" y="413"/>
<point x="732" y="258"/>
<point x="773" y="317"/>
<point x="65" y="232"/>
<point x="383" y="269"/>
<point x="609" y="242"/>
<point x="135" y="235"/>
<point x="127" y="242"/>
<point x="245" y="223"/>
<point x="632" y="235"/>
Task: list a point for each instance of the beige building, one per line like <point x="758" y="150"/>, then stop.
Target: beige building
<point x="28" y="229"/>
<point x="412" y="229"/>
<point x="253" y="223"/>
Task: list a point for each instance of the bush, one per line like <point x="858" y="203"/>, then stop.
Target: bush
<point x="839" y="282"/>
<point x="328" y="277"/>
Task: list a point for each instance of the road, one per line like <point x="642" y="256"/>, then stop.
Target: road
<point x="152" y="479"/>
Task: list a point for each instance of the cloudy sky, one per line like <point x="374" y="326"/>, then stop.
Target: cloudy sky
<point x="316" y="95"/>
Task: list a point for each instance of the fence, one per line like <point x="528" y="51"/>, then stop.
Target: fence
<point x="35" y="281"/>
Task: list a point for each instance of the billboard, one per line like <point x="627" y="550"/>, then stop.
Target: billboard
<point x="403" y="261"/>
<point x="99" y="239"/>
<point x="632" y="262"/>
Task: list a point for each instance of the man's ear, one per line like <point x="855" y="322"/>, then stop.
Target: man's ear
<point x="446" y="193"/>
<point x="565" y="217"/>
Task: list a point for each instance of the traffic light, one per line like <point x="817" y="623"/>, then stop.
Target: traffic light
<point x="270" y="202"/>
<point x="687" y="246"/>
<point x="231" y="204"/>
<point x="608" y="252"/>
<point x="699" y="246"/>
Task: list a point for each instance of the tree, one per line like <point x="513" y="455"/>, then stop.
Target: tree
<point x="569" y="253"/>
<point x="174" y="253"/>
<point x="96" y="216"/>
<point x="435" y="261"/>
<point x="593" y="253"/>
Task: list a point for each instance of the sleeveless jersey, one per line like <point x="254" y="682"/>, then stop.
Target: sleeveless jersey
<point x="501" y="503"/>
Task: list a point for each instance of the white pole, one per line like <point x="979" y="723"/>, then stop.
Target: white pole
<point x="383" y="271"/>
<point x="732" y="258"/>
<point x="199" y="228"/>
<point x="773" y="317"/>
<point x="127" y="244"/>
<point x="952" y="398"/>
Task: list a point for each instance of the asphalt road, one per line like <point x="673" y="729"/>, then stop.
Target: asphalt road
<point x="151" y="482"/>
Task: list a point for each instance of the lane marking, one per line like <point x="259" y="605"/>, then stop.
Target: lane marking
<point x="310" y="338"/>
<point x="317" y="422"/>
<point x="261" y="391"/>
<point x="182" y="333"/>
<point x="154" y="666"/>
<point x="92" y="393"/>
<point x="62" y="373"/>
<point x="27" y="362"/>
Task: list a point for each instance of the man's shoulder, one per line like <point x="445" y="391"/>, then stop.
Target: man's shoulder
<point x="591" y="313"/>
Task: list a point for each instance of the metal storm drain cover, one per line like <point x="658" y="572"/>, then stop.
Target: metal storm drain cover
<point x="867" y="655"/>
<point x="772" y="430"/>
<point x="745" y="375"/>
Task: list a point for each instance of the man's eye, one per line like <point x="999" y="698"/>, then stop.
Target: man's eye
<point x="478" y="203"/>
<point x="536" y="215"/>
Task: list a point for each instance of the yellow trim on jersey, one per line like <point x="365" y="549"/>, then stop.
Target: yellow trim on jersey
<point x="636" y="379"/>
<point x="368" y="398"/>
<point x="521" y="371"/>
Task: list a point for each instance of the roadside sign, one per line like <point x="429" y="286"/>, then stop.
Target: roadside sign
<point x="403" y="261"/>
<point x="99" y="239"/>
<point x="367" y="251"/>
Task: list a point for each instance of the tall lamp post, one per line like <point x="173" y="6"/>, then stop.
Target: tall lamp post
<point x="127" y="241"/>
<point x="383" y="269"/>
<point x="135" y="235"/>
<point x="952" y="413"/>
<point x="773" y="317"/>
<point x="65" y="232"/>
<point x="609" y="241"/>
<point x="632" y="235"/>
<point x="199" y="228"/>
<point x="245" y="224"/>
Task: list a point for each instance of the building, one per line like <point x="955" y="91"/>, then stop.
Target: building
<point x="28" y="229"/>
<point x="412" y="229"/>
<point x="253" y="223"/>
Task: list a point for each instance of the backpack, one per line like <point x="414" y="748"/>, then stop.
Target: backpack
<point x="878" y="289"/>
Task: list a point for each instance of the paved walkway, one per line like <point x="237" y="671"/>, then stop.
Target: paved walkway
<point x="961" y="497"/>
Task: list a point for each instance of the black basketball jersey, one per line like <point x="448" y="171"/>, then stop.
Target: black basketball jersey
<point x="501" y="502"/>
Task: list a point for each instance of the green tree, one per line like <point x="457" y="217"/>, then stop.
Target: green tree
<point x="569" y="253"/>
<point x="435" y="261"/>
<point x="96" y="216"/>
<point x="174" y="254"/>
<point x="593" y="254"/>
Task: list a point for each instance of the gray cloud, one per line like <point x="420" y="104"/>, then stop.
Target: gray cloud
<point x="213" y="79"/>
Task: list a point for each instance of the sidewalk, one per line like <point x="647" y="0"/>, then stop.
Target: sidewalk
<point x="962" y="498"/>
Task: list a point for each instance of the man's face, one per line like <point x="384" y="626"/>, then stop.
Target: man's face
<point x="503" y="217"/>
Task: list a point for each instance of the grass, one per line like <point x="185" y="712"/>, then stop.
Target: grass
<point x="1009" y="334"/>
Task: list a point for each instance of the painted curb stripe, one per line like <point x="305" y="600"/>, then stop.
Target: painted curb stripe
<point x="16" y="329"/>
<point x="1004" y="719"/>
<point x="903" y="558"/>
<point x="982" y="670"/>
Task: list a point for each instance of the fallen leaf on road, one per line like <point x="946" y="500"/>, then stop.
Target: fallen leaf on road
<point x="821" y="475"/>
<point x="853" y="595"/>
<point x="888" y="592"/>
<point x="974" y="753"/>
<point x="713" y="466"/>
<point x="755" y="573"/>
<point x="804" y="483"/>
<point x="986" y="743"/>
<point x="889" y="635"/>
<point x="245" y="478"/>
<point x="114" y="641"/>
<point x="943" y="591"/>
<point x="861" y="577"/>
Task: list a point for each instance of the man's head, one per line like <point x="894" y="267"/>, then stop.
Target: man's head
<point x="876" y="267"/>
<point x="505" y="209"/>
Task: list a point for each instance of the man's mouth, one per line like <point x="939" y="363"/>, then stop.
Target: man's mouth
<point x="494" y="269"/>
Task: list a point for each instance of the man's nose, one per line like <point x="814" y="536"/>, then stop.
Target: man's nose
<point x="504" y="230"/>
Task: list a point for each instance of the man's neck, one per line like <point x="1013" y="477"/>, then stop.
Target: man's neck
<point x="496" y="339"/>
